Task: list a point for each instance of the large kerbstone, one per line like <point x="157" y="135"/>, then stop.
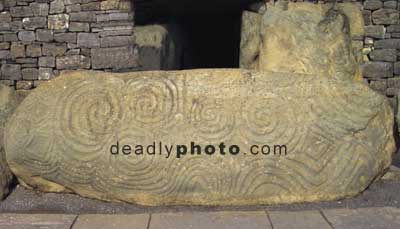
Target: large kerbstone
<point x="8" y="101"/>
<point x="338" y="136"/>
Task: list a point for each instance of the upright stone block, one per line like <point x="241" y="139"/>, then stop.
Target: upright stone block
<point x="292" y="37"/>
<point x="8" y="102"/>
<point x="338" y="137"/>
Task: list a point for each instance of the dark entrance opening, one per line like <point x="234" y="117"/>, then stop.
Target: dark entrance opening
<point x="210" y="28"/>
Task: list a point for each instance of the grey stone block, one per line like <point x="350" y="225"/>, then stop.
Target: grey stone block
<point x="115" y="58"/>
<point x="17" y="50"/>
<point x="39" y="9"/>
<point x="5" y="26"/>
<point x="373" y="4"/>
<point x="11" y="71"/>
<point x="26" y="36"/>
<point x="384" y="55"/>
<point x="44" y="35"/>
<point x="367" y="15"/>
<point x="386" y="17"/>
<point x="79" y="27"/>
<point x="377" y="69"/>
<point x="54" y="49"/>
<point x="34" y="50"/>
<point x="32" y="23"/>
<point x="116" y="41"/>
<point x="47" y="61"/>
<point x="91" y="6"/>
<point x="88" y="40"/>
<point x="4" y="45"/>
<point x="390" y="4"/>
<point x="375" y="31"/>
<point x="83" y="17"/>
<point x="58" y="21"/>
<point x="5" y="17"/>
<point x="30" y="73"/>
<point x="21" y="11"/>
<point x="393" y="28"/>
<point x="57" y="7"/>
<point x="5" y="55"/>
<point x="379" y="86"/>
<point x="397" y="68"/>
<point x="388" y="44"/>
<point x="45" y="73"/>
<point x="65" y="37"/>
<point x="10" y="37"/>
<point x="72" y="62"/>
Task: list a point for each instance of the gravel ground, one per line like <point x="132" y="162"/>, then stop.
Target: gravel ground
<point x="21" y="200"/>
<point x="380" y="194"/>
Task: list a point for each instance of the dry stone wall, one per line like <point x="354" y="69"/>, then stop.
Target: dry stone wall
<point x="39" y="38"/>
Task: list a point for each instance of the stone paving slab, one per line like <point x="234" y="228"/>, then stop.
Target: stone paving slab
<point x="35" y="221"/>
<point x="364" y="218"/>
<point x="112" y="221"/>
<point x="301" y="220"/>
<point x="209" y="220"/>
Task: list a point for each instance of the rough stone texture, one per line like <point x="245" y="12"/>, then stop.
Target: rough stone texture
<point x="378" y="70"/>
<point x="389" y="55"/>
<point x="158" y="50"/>
<point x="375" y="31"/>
<point x="114" y="58"/>
<point x="58" y="21"/>
<point x="292" y="41"/>
<point x="73" y="62"/>
<point x="8" y="103"/>
<point x="250" y="40"/>
<point x="338" y="134"/>
<point x="385" y="17"/>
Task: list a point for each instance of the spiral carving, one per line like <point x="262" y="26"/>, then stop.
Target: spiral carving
<point x="153" y="102"/>
<point x="338" y="137"/>
<point x="212" y="120"/>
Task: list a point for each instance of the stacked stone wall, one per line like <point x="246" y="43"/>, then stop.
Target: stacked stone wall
<point x="40" y="38"/>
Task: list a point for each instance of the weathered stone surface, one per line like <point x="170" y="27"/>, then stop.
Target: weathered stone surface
<point x="44" y="35"/>
<point x="54" y="49"/>
<point x="115" y="58"/>
<point x="157" y="47"/>
<point x="40" y="9"/>
<point x="250" y="40"/>
<point x="386" y="17"/>
<point x="79" y="27"/>
<point x="57" y="7"/>
<point x="73" y="62"/>
<point x="389" y="55"/>
<point x="26" y="36"/>
<point x="32" y="23"/>
<point x="397" y="68"/>
<point x="7" y="105"/>
<point x="88" y="40"/>
<point x="17" y="50"/>
<point x="388" y="44"/>
<point x="34" y="50"/>
<point x="377" y="69"/>
<point x="375" y="31"/>
<point x="373" y="4"/>
<point x="11" y="71"/>
<point x="338" y="136"/>
<point x="47" y="61"/>
<point x="58" y="21"/>
<point x="309" y="38"/>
